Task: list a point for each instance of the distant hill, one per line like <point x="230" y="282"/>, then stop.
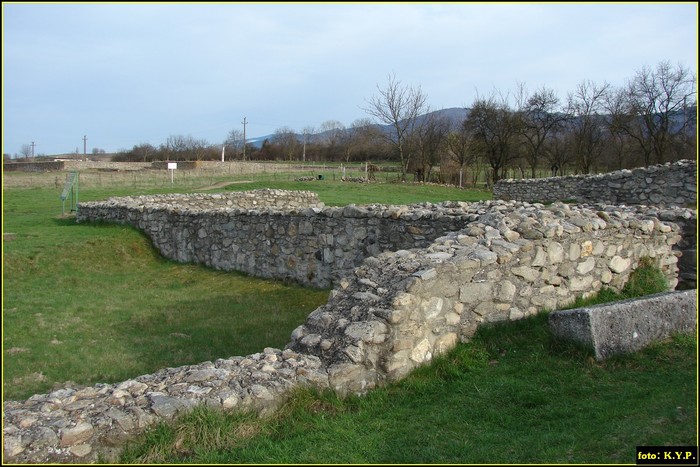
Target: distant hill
<point x="455" y="115"/>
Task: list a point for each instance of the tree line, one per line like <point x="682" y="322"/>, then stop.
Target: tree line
<point x="596" y="127"/>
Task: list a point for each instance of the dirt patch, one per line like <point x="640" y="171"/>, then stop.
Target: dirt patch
<point x="15" y="350"/>
<point x="223" y="184"/>
<point x="178" y="334"/>
<point x="31" y="378"/>
<point x="8" y="237"/>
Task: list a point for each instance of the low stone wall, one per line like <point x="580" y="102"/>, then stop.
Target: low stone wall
<point x="629" y="325"/>
<point x="398" y="309"/>
<point x="669" y="184"/>
<point x="250" y="232"/>
<point x="659" y="187"/>
<point x="84" y="424"/>
<point x="687" y="221"/>
<point x="107" y="166"/>
<point x="181" y="165"/>
<point x="48" y="166"/>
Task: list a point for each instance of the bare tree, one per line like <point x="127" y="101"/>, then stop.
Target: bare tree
<point x="26" y="151"/>
<point x="430" y="139"/>
<point x="661" y="100"/>
<point x="179" y="147"/>
<point x="619" y="121"/>
<point x="585" y="106"/>
<point x="540" y="117"/>
<point x="144" y="151"/>
<point x="287" y="141"/>
<point x="559" y="151"/>
<point x="331" y="133"/>
<point x="398" y="106"/>
<point x="494" y="127"/>
<point x="459" y="145"/>
<point x="361" y="136"/>
<point x="234" y="141"/>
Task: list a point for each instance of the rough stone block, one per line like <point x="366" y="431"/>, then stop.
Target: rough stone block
<point x="629" y="325"/>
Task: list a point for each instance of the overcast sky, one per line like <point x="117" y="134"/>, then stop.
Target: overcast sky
<point x="125" y="74"/>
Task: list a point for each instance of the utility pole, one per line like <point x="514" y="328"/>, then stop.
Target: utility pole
<point x="244" y="122"/>
<point x="85" y="145"/>
<point x="33" y="149"/>
<point x="304" y="152"/>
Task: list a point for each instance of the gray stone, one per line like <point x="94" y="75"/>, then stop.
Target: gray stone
<point x="76" y="435"/>
<point x="371" y="331"/>
<point x="80" y="450"/>
<point x="479" y="291"/>
<point x="506" y="292"/>
<point x="555" y="252"/>
<point x="165" y="406"/>
<point x="627" y="326"/>
<point x="527" y="273"/>
<point x="426" y="274"/>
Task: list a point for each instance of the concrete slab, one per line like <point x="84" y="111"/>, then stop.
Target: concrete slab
<point x="629" y="325"/>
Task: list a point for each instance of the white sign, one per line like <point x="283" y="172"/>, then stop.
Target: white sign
<point x="172" y="165"/>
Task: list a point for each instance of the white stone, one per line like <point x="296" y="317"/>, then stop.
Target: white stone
<point x="432" y="307"/>
<point x="618" y="264"/>
<point x="422" y="352"/>
<point x="80" y="450"/>
<point x="555" y="252"/>
<point x="578" y="284"/>
<point x="445" y="343"/>
<point x="451" y="319"/>
<point x="586" y="266"/>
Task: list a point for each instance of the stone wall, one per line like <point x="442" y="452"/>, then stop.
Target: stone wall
<point x="250" y="232"/>
<point x="398" y="309"/>
<point x="49" y="166"/>
<point x="181" y="165"/>
<point x="656" y="186"/>
<point x="669" y="184"/>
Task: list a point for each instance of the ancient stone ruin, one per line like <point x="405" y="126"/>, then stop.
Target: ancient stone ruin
<point x="670" y="184"/>
<point x="409" y="282"/>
